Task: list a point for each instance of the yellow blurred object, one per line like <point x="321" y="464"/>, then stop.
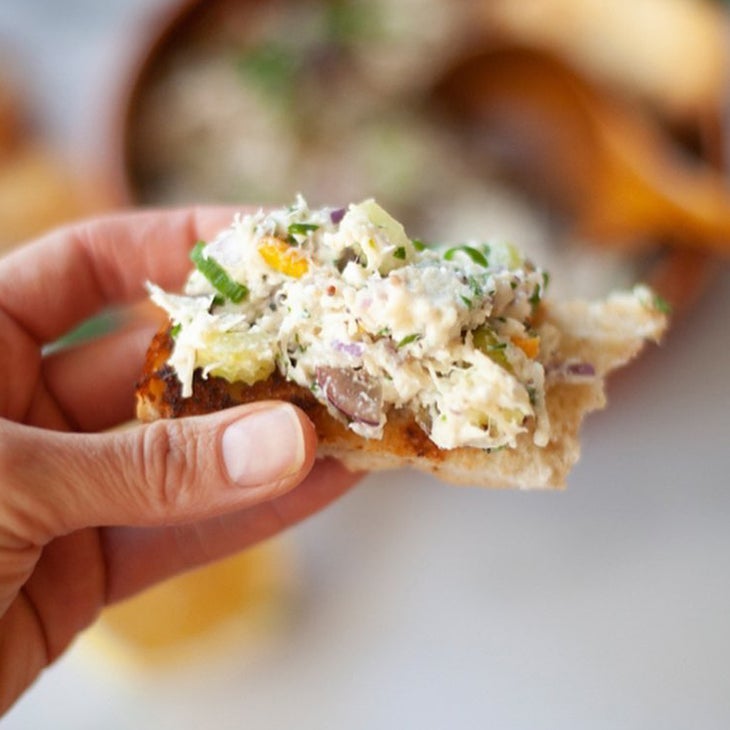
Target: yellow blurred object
<point x="37" y="192"/>
<point x="38" y="189"/>
<point x="221" y="607"/>
<point x="280" y="256"/>
<point x="12" y="122"/>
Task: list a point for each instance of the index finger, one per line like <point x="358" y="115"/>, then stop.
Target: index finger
<point x="56" y="282"/>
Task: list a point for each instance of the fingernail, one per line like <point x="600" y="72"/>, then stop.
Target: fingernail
<point x="263" y="446"/>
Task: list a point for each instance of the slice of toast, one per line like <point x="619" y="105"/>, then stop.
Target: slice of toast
<point x="606" y="334"/>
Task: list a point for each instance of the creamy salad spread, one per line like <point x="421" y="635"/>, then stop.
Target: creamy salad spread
<point x="344" y="303"/>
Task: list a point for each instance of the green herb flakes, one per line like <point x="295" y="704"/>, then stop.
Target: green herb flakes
<point x="409" y="339"/>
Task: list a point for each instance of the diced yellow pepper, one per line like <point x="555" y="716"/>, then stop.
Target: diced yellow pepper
<point x="529" y="345"/>
<point x="280" y="256"/>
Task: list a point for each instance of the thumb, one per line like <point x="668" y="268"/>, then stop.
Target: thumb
<point x="166" y="472"/>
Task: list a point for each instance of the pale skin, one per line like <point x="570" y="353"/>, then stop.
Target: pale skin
<point x="89" y="515"/>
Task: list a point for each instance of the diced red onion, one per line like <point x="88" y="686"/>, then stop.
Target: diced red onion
<point x="581" y="369"/>
<point x="355" y="349"/>
<point x="337" y="215"/>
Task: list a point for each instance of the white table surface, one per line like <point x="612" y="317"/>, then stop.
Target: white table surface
<point x="607" y="606"/>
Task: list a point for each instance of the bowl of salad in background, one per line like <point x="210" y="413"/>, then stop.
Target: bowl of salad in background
<point x="252" y="102"/>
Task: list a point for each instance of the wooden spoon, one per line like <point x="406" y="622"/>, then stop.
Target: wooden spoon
<point x="616" y="173"/>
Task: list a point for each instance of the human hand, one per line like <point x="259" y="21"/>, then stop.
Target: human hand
<point x="89" y="516"/>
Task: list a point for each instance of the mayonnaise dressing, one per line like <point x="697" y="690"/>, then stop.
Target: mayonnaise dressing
<point x="345" y="304"/>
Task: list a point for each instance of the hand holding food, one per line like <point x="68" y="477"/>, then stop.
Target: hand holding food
<point x="89" y="515"/>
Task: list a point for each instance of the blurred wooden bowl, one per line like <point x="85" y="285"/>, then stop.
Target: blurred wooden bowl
<point x="678" y="275"/>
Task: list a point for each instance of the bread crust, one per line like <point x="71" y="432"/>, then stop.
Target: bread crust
<point x="606" y="334"/>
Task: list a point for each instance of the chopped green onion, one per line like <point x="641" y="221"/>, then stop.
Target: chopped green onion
<point x="408" y="339"/>
<point x="217" y="275"/>
<point x="469" y="303"/>
<point x="418" y="244"/>
<point x="302" y="228"/>
<point x="474" y="254"/>
<point x="400" y="253"/>
<point x="175" y="330"/>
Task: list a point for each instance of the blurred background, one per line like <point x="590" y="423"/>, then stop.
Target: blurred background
<point x="593" y="134"/>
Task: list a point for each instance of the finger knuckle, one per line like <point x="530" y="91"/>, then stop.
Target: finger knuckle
<point x="24" y="508"/>
<point x="10" y="469"/>
<point x="14" y="449"/>
<point x="170" y="458"/>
